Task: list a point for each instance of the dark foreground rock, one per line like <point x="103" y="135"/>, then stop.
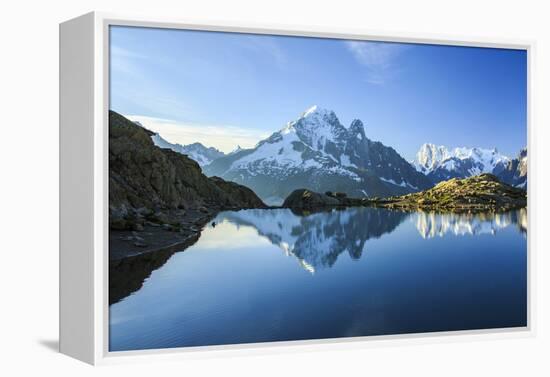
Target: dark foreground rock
<point x="158" y="231"/>
<point x="479" y="193"/>
<point x="144" y="176"/>
<point x="160" y="195"/>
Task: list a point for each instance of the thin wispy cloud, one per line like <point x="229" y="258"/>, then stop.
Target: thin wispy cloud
<point x="123" y="52"/>
<point x="124" y="61"/>
<point x="378" y="58"/>
<point x="224" y="138"/>
<point x="265" y="45"/>
<point x="127" y="61"/>
<point x="135" y="83"/>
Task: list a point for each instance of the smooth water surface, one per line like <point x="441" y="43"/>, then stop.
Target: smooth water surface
<point x="272" y="275"/>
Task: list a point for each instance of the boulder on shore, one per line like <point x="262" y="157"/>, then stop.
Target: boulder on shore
<point x="306" y="199"/>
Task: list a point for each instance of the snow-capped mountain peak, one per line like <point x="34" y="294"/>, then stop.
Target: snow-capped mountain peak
<point x="317" y="112"/>
<point x="441" y="163"/>
<point x="316" y="151"/>
<point x="430" y="156"/>
<point x="317" y="126"/>
<point x="309" y="111"/>
<point x="236" y="150"/>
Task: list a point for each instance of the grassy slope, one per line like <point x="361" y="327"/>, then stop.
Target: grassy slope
<point x="482" y="192"/>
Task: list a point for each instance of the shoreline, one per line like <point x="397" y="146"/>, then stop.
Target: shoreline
<point x="463" y="208"/>
<point x="129" y="268"/>
<point x="161" y="239"/>
<point x="128" y="243"/>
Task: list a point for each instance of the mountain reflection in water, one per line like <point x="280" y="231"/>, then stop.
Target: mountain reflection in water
<point x="431" y="224"/>
<point x="317" y="239"/>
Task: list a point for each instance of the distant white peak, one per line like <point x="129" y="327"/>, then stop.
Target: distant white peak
<point x="160" y="142"/>
<point x="236" y="150"/>
<point x="430" y="157"/>
<point x="486" y="156"/>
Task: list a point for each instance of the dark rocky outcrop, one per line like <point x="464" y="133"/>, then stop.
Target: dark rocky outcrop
<point x="145" y="178"/>
<point x="306" y="199"/>
<point x="310" y="200"/>
<point x="159" y="200"/>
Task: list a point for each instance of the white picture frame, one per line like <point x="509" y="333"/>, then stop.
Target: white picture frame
<point x="84" y="99"/>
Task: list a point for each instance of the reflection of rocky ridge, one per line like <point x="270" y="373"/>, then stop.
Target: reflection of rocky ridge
<point x="318" y="239"/>
<point x="431" y="224"/>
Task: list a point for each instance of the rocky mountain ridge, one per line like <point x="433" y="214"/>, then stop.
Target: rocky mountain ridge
<point x="515" y="172"/>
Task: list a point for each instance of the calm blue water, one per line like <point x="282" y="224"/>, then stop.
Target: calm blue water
<point x="271" y="275"/>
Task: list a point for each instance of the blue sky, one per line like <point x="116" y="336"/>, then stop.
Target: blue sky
<point x="224" y="89"/>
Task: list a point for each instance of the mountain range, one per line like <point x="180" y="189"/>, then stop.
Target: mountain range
<point x="440" y="163"/>
<point x="315" y="151"/>
<point x="196" y="151"/>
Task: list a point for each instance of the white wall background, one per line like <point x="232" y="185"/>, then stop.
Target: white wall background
<point x="29" y="188"/>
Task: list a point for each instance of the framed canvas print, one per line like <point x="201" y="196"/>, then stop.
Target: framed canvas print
<point x="226" y="187"/>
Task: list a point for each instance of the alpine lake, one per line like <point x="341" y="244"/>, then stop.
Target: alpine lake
<point x="267" y="275"/>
